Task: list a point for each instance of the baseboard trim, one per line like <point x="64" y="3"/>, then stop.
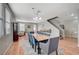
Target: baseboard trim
<point x="7" y="49"/>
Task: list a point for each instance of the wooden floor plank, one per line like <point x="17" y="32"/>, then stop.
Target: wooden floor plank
<point x="69" y="46"/>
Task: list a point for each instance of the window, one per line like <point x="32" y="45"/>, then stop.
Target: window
<point x="7" y="22"/>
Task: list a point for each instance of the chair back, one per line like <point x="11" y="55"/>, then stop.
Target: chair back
<point x="32" y="39"/>
<point x="53" y="44"/>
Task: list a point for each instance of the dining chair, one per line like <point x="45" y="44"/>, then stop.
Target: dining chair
<point x="50" y="46"/>
<point x="29" y="37"/>
<point x="33" y="41"/>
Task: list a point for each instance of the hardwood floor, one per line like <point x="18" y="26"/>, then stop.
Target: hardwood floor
<point x="68" y="44"/>
<point x="15" y="49"/>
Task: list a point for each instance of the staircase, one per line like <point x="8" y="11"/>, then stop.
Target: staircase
<point x="58" y="25"/>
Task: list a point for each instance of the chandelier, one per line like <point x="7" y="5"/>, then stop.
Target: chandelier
<point x="36" y="14"/>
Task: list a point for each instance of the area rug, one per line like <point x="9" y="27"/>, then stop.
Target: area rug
<point x="28" y="50"/>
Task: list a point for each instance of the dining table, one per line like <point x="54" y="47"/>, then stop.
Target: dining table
<point x="40" y="38"/>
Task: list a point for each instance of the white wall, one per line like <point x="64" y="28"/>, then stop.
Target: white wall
<point x="46" y="25"/>
<point x="71" y="29"/>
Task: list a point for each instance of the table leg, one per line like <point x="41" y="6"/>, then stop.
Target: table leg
<point x="39" y="49"/>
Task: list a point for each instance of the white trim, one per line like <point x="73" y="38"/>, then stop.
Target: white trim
<point x="7" y="48"/>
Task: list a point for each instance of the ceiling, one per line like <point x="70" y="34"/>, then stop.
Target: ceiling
<point x="23" y="11"/>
